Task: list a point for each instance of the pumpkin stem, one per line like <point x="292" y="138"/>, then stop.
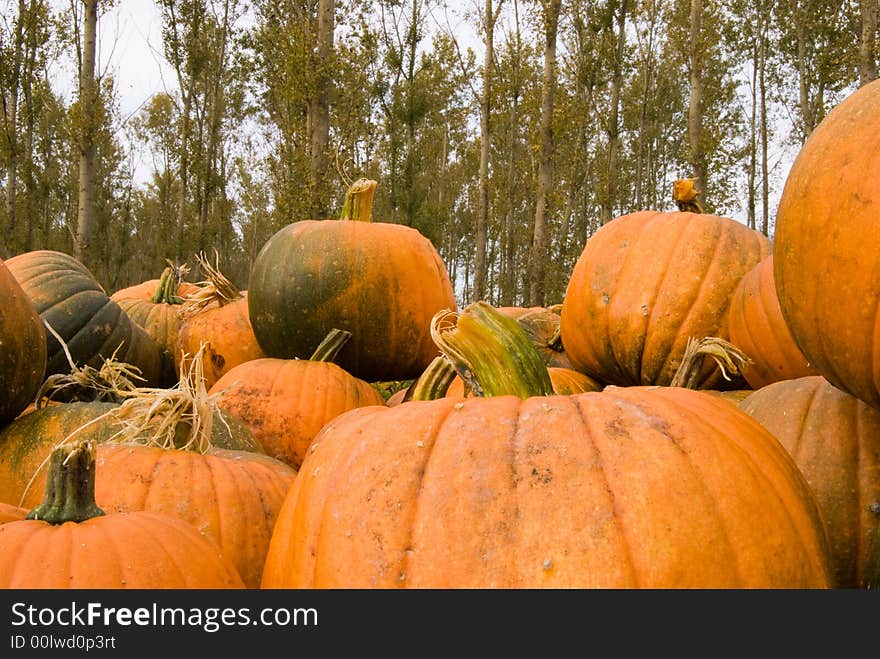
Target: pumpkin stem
<point x="181" y="417"/>
<point x="433" y="382"/>
<point x="70" y="486"/>
<point x="491" y="352"/>
<point x="329" y="348"/>
<point x="729" y="358"/>
<point x="685" y="195"/>
<point x="358" y="204"/>
<point x="216" y="288"/>
<point x="169" y="284"/>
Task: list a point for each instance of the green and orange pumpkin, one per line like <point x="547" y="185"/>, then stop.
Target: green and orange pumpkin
<point x="382" y="282"/>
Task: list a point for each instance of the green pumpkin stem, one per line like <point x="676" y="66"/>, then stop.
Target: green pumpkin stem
<point x="729" y="358"/>
<point x="169" y="283"/>
<point x="70" y="486"/>
<point x="433" y="382"/>
<point x="329" y="348"/>
<point x="491" y="352"/>
<point x="358" y="204"/>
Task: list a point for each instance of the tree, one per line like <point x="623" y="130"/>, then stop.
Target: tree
<point x="550" y="10"/>
<point x="88" y="106"/>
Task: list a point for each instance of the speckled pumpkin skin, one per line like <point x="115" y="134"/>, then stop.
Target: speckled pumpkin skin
<point x="826" y="249"/>
<point x="381" y="282"/>
<point x="22" y="348"/>
<point x="835" y="440"/>
<point x="756" y="327"/>
<point x="631" y="487"/>
<point x="645" y="283"/>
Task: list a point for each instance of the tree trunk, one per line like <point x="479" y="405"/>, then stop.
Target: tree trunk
<point x="762" y="83"/>
<point x="609" y="196"/>
<point x="868" y="43"/>
<point x="509" y="283"/>
<point x="10" y="124"/>
<point x="480" y="230"/>
<point x="751" y="221"/>
<point x="537" y="266"/>
<point x="695" y="105"/>
<point x="319" y="136"/>
<point x="88" y="95"/>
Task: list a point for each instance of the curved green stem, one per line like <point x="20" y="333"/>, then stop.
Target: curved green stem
<point x="329" y="348"/>
<point x="491" y="352"/>
<point x="70" y="486"/>
<point x="433" y="382"/>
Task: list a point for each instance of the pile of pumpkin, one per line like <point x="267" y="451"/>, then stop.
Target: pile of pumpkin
<point x="702" y="409"/>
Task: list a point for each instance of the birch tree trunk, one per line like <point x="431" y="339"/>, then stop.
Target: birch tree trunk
<point x="88" y="97"/>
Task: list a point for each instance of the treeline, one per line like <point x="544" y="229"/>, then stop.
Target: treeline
<point x="506" y="149"/>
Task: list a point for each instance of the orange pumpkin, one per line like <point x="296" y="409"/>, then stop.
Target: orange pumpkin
<point x="155" y="306"/>
<point x="632" y="487"/>
<point x="68" y="542"/>
<point x="827" y="246"/>
<point x="647" y="282"/>
<point x="285" y="402"/>
<point x="22" y="348"/>
<point x="756" y="326"/>
<point x="835" y="440"/>
<point x="217" y="318"/>
<point x="10" y="513"/>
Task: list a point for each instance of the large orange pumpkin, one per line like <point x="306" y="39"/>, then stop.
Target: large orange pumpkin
<point x="756" y="326"/>
<point x="382" y="282"/>
<point x="632" y="487"/>
<point x="647" y="282"/>
<point x="22" y="348"/>
<point x="835" y="440"/>
<point x="68" y="542"/>
<point x="285" y="402"/>
<point x="827" y="246"/>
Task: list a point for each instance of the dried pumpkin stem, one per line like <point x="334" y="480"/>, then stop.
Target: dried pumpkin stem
<point x="727" y="356"/>
<point x="491" y="352"/>
<point x="215" y="289"/>
<point x="70" y="486"/>
<point x="358" y="204"/>
<point x="433" y="382"/>
<point x="329" y="348"/>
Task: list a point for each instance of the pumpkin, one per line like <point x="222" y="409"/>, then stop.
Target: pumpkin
<point x="22" y="348"/>
<point x="756" y="326"/>
<point x="155" y="306"/>
<point x="163" y="460"/>
<point x="215" y="319"/>
<point x="835" y="440"/>
<point x="285" y="402"/>
<point x="69" y="542"/>
<point x="826" y="248"/>
<point x="651" y="487"/>
<point x="10" y="513"/>
<point x="644" y="284"/>
<point x="93" y="327"/>
<point x="382" y="282"/>
<point x="27" y="442"/>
